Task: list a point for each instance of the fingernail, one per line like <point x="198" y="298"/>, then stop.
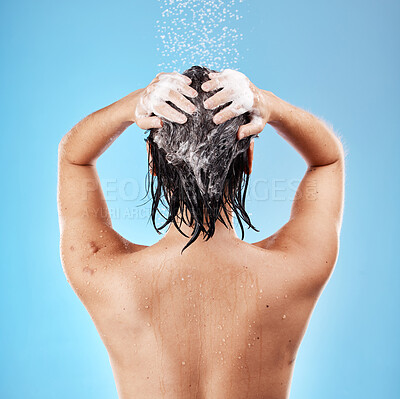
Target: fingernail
<point x="206" y="105"/>
<point x="194" y="93"/>
<point x="204" y="87"/>
<point x="182" y="119"/>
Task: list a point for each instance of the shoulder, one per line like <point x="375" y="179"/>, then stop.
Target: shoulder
<point x="93" y="265"/>
<point x="306" y="270"/>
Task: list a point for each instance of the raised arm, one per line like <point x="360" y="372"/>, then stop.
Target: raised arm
<point x="85" y="223"/>
<point x="311" y="235"/>
<point x="313" y="229"/>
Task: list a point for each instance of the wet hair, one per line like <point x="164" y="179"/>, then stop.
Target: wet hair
<point x="199" y="168"/>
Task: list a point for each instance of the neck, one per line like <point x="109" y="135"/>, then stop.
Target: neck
<point x="221" y="233"/>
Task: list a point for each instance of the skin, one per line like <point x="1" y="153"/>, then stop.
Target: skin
<point x="224" y="319"/>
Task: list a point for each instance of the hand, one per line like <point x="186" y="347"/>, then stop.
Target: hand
<point x="164" y="87"/>
<point x="245" y="97"/>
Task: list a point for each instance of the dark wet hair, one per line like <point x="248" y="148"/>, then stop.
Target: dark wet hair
<point x="201" y="169"/>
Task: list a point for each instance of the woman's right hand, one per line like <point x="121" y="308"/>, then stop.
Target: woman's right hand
<point x="245" y="97"/>
<point x="153" y="99"/>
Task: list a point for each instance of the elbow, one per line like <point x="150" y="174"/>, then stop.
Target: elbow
<point x="340" y="149"/>
<point x="68" y="154"/>
<point x="64" y="149"/>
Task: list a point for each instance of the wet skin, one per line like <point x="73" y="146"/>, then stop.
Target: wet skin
<point x="225" y="318"/>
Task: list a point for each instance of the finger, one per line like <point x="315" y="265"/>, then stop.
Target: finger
<point x="249" y="129"/>
<point x="212" y="84"/>
<point x="181" y="102"/>
<point x="186" y="90"/>
<point x="220" y="98"/>
<point x="177" y="76"/>
<point x="176" y="82"/>
<point x="214" y="74"/>
<point x="188" y="80"/>
<point x="227" y="113"/>
<point x="250" y="155"/>
<point x="149" y="122"/>
<point x="169" y="113"/>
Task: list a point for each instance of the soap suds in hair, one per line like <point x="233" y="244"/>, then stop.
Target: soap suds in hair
<point x="201" y="169"/>
<point x="191" y="145"/>
<point x="191" y="150"/>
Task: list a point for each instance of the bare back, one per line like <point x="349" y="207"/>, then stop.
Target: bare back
<point x="205" y="324"/>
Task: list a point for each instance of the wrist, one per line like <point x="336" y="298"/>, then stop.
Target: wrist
<point x="274" y="106"/>
<point x="127" y="106"/>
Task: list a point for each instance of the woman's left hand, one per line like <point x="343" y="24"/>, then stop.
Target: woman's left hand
<point x="153" y="99"/>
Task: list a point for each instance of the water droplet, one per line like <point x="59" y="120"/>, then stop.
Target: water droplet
<point x="149" y="324"/>
<point x="285" y="295"/>
<point x="183" y="363"/>
<point x="146" y="306"/>
<point x="87" y="282"/>
<point x="284" y="316"/>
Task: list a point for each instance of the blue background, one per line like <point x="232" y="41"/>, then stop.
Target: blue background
<point x="61" y="61"/>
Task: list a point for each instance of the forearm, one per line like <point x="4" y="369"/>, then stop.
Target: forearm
<point x="88" y="139"/>
<point x="309" y="135"/>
